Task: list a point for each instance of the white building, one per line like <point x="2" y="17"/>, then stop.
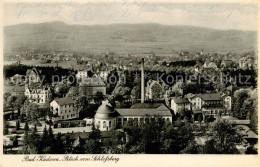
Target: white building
<point x="63" y="109"/>
<point x="39" y="95"/>
<point x="82" y="74"/>
<point x="180" y="104"/>
<point x="105" y="117"/>
<point x="104" y="74"/>
<point x="206" y="104"/>
<point x="143" y="112"/>
<point x="33" y="76"/>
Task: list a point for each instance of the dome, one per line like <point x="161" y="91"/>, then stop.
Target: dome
<point x="105" y="111"/>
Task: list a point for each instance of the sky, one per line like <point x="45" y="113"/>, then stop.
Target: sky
<point x="210" y="15"/>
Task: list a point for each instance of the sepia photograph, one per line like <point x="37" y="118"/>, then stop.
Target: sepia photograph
<point x="129" y="77"/>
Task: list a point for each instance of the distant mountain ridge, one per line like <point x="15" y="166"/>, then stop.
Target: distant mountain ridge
<point x="132" y="38"/>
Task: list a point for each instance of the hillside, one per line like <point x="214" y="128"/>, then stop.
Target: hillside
<point x="126" y="38"/>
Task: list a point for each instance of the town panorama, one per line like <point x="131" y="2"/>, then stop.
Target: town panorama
<point x="129" y="89"/>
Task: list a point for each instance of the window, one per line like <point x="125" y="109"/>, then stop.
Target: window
<point x="104" y="124"/>
<point x="67" y="116"/>
<point x="124" y="120"/>
<point x="119" y="121"/>
<point x="109" y="124"/>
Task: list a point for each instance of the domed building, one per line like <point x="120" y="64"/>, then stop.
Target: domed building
<point x="105" y="117"/>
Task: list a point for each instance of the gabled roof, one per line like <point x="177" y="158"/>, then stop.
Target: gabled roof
<point x="64" y="100"/>
<point x="180" y="100"/>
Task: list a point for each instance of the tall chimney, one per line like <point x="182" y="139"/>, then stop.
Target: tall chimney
<point x="142" y="81"/>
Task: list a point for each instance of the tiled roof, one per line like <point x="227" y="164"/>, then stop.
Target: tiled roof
<point x="146" y="105"/>
<point x="213" y="96"/>
<point x="64" y="100"/>
<point x="180" y="100"/>
<point x="143" y="109"/>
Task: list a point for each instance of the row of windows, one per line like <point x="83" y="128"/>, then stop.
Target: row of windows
<point x="66" y="111"/>
<point x="68" y="116"/>
<point x="105" y="124"/>
<point x="68" y="105"/>
<point x="124" y="120"/>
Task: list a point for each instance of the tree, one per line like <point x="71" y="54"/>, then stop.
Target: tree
<point x="98" y="97"/>
<point x="81" y="105"/>
<point x="178" y="139"/>
<point x="251" y="150"/>
<point x="19" y="102"/>
<point x="192" y="148"/>
<point x="14" y="140"/>
<point x="6" y="127"/>
<point x="136" y="93"/>
<point x="44" y="139"/>
<point x="209" y="147"/>
<point x="58" y="145"/>
<point x="11" y="102"/>
<point x="17" y="126"/>
<point x="26" y="127"/>
<point x="79" y="148"/>
<point x="224" y="136"/>
<point x="32" y="111"/>
<point x="240" y="97"/>
<point x="94" y="145"/>
<point x="61" y="90"/>
<point x="73" y="92"/>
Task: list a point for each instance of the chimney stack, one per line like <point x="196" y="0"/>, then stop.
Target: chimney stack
<point x="142" y="81"/>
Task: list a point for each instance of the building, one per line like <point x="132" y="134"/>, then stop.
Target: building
<point x="105" y="117"/>
<point x="17" y="79"/>
<point x="104" y="74"/>
<point x="64" y="109"/>
<point x="33" y="76"/>
<point x="206" y="104"/>
<point x="108" y="118"/>
<point x="143" y="112"/>
<point x="82" y="74"/>
<point x="180" y="104"/>
<point x="37" y="94"/>
<point x="90" y="86"/>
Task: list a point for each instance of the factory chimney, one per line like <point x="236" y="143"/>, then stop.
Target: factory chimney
<point x="142" y="81"/>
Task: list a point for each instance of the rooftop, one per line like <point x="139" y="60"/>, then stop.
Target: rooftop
<point x="145" y="109"/>
<point x="209" y="97"/>
<point x="64" y="100"/>
<point x="180" y="100"/>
